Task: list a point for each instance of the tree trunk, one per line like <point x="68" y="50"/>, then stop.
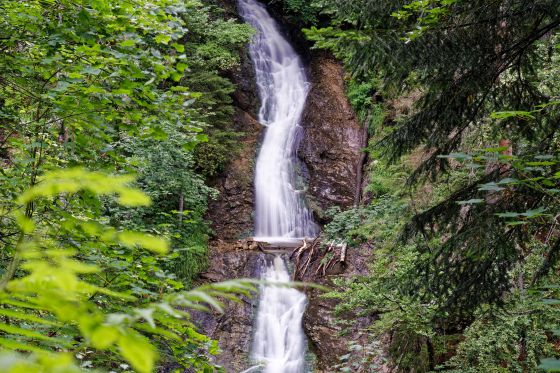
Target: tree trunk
<point x="181" y="208"/>
<point x="361" y="163"/>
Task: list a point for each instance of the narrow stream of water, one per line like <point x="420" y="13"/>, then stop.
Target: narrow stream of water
<point x="280" y="212"/>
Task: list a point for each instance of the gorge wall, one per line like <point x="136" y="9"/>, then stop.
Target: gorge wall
<point x="330" y="154"/>
<point x="232" y="213"/>
<point x="331" y="147"/>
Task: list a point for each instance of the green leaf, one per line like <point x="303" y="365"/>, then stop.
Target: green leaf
<point x="525" y="115"/>
<point x="551" y="301"/>
<point x="508" y="181"/>
<point x="26" y="225"/>
<point x="137" y="351"/>
<point x="178" y="47"/>
<point x="517" y="222"/>
<point x="27" y="317"/>
<point x="162" y="39"/>
<point x="508" y="214"/>
<point x="18" y="346"/>
<point x="550" y="365"/>
<point x="104" y="336"/>
<point x="197" y="295"/>
<point x="540" y="163"/>
<point x="490" y="187"/>
<point x="495" y="150"/>
<point x="133" y="198"/>
<point x="146" y="314"/>
<point x="127" y="43"/>
<point x="459" y="156"/>
<point x="152" y="243"/>
<point x="181" y="67"/>
<point x="534" y="213"/>
<point x="31" y="334"/>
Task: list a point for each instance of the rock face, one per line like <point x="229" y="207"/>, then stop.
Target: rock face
<point x="332" y="142"/>
<point x="232" y="329"/>
<point x="232" y="213"/>
<point x="319" y="321"/>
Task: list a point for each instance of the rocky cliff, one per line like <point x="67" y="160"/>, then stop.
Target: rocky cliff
<point x="331" y="147"/>
<point x="232" y="213"/>
<point x="233" y="329"/>
<point x="324" y="333"/>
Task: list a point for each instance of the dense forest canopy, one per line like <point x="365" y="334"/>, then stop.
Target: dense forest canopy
<point x="114" y="115"/>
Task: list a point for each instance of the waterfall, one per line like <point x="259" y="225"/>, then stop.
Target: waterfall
<point x="279" y="341"/>
<point x="280" y="212"/>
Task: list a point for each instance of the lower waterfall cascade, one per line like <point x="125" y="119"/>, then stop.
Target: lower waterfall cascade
<point x="281" y="215"/>
<point x="279" y="341"/>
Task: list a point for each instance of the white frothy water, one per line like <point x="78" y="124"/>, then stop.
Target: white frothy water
<point x="279" y="341"/>
<point x="280" y="211"/>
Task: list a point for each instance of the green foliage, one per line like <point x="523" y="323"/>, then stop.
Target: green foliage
<point x="214" y="54"/>
<point x="359" y="225"/>
<point x="96" y="265"/>
<point x="299" y="12"/>
<point x="77" y="71"/>
<point x="409" y="323"/>
<point x="368" y="38"/>
<point x="167" y="175"/>
<point x="512" y="339"/>
<point x="81" y="285"/>
<point x="426" y="13"/>
<point x="361" y="96"/>
<point x="474" y="89"/>
<point x="360" y="358"/>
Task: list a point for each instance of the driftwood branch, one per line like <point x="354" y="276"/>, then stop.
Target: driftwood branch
<point x="309" y="253"/>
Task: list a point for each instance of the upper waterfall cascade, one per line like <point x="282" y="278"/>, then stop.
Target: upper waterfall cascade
<point x="280" y="210"/>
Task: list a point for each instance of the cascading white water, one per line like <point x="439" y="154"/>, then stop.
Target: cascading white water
<point x="279" y="342"/>
<point x="280" y="211"/>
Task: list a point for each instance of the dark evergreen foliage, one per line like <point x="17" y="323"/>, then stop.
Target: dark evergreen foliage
<point x="466" y="60"/>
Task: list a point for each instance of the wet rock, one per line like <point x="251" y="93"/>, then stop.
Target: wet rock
<point x="332" y="141"/>
<point x="231" y="213"/>
<point x="232" y="329"/>
<point x="320" y="322"/>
